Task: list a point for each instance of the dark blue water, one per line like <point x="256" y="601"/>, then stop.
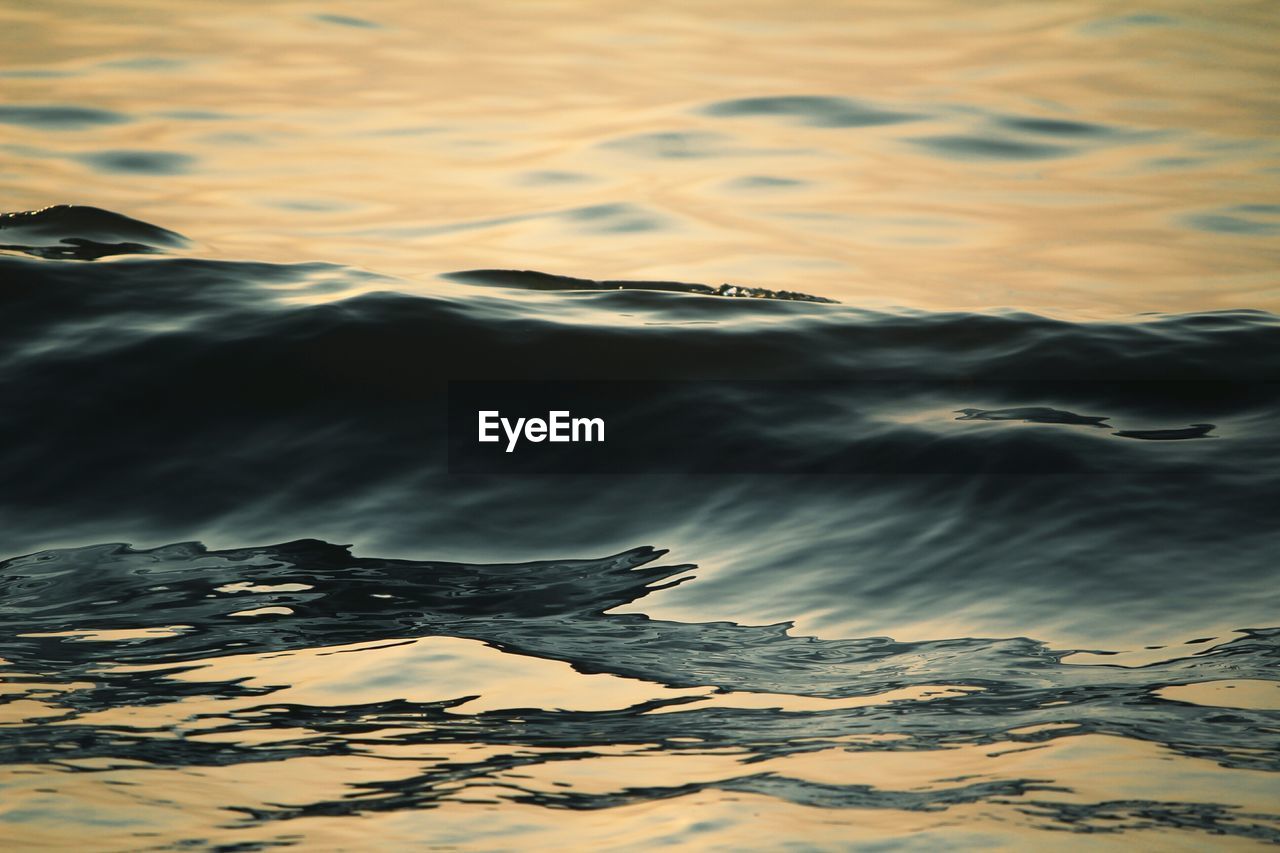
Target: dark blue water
<point x="1092" y="527"/>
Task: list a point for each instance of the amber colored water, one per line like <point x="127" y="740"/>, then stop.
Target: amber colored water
<point x="966" y="659"/>
<point x="1077" y="157"/>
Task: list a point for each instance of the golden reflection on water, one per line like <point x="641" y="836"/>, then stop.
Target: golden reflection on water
<point x="426" y="670"/>
<point x="1232" y="693"/>
<point x="126" y="803"/>
<point x="415" y="138"/>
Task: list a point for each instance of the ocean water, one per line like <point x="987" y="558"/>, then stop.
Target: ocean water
<point x="939" y="505"/>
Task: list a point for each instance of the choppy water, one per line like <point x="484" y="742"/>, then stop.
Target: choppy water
<point x="996" y="569"/>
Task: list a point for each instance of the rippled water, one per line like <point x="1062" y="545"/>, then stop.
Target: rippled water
<point x="950" y="330"/>
<point x="1087" y="157"/>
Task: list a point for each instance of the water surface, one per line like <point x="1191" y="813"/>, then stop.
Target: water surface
<point x="995" y="567"/>
<point x="1089" y="158"/>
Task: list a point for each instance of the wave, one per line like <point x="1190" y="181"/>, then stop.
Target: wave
<point x="78" y="232"/>
<point x="958" y="480"/>
<point x="173" y="395"/>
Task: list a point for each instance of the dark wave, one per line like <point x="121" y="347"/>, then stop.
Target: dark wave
<point x="168" y="398"/>
<point x="170" y="395"/>
<point x="77" y="232"/>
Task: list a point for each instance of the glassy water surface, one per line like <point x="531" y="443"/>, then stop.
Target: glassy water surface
<point x="1082" y="157"/>
<point x="244" y="604"/>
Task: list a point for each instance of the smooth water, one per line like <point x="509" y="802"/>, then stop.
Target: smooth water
<point x="1097" y="158"/>
<point x="998" y="571"/>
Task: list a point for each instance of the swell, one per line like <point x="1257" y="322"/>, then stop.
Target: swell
<point x="1106" y="482"/>
<point x="170" y="397"/>
<point x="79" y="232"/>
<point x="133" y="362"/>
